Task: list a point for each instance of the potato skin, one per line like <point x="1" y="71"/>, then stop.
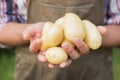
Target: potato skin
<point x="52" y="36"/>
<point x="60" y="21"/>
<point x="93" y="37"/>
<point x="73" y="27"/>
<point x="56" y="55"/>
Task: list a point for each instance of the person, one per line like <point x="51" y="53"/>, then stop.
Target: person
<point x="12" y="25"/>
<point x="13" y="21"/>
<point x="94" y="66"/>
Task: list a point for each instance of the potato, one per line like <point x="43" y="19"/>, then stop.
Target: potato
<point x="46" y="28"/>
<point x="93" y="37"/>
<point x="56" y="55"/>
<point x="64" y="30"/>
<point x="73" y="27"/>
<point x="60" y="22"/>
<point x="52" y="35"/>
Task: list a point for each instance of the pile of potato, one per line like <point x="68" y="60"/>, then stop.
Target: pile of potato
<point x="65" y="29"/>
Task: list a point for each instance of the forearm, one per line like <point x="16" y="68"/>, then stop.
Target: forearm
<point x="11" y="34"/>
<point x="112" y="37"/>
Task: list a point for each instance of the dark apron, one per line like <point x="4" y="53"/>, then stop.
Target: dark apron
<point x="94" y="66"/>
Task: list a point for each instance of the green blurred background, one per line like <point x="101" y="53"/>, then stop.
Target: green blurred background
<point x="7" y="64"/>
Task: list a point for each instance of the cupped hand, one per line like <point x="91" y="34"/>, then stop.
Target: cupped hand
<point x="33" y="33"/>
<point x="73" y="52"/>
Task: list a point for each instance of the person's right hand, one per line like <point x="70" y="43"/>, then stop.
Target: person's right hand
<point x="33" y="33"/>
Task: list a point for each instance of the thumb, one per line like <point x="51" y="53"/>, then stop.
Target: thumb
<point x="102" y="29"/>
<point x="26" y="35"/>
<point x="28" y="32"/>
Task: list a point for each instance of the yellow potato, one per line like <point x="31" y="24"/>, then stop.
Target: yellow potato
<point x="93" y="37"/>
<point x="64" y="30"/>
<point x="56" y="55"/>
<point x="73" y="27"/>
<point x="52" y="35"/>
<point x="47" y="27"/>
<point x="60" y="21"/>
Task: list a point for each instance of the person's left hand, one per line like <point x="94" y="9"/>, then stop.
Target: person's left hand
<point x="74" y="53"/>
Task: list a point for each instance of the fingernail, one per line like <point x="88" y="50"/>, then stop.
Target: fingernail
<point x="41" y="58"/>
<point x="62" y="65"/>
<point x="75" y="39"/>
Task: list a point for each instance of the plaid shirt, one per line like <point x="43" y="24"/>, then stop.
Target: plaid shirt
<point x="112" y="12"/>
<point x="12" y="11"/>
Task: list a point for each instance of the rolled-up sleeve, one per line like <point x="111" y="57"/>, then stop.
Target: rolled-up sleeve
<point x="1" y="45"/>
<point x="17" y="14"/>
<point x="112" y="12"/>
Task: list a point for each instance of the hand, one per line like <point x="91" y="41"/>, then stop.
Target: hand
<point x="81" y="48"/>
<point x="33" y="33"/>
<point x="73" y="53"/>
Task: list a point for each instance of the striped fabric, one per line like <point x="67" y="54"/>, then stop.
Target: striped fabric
<point x="12" y="11"/>
<point x="112" y="12"/>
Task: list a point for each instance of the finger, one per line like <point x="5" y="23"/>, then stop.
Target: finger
<point x="66" y="63"/>
<point x="38" y="29"/>
<point x="39" y="26"/>
<point x="42" y="58"/>
<point x="51" y="65"/>
<point x="28" y="33"/>
<point x="33" y="31"/>
<point x="70" y="51"/>
<point x="81" y="45"/>
<point x="35" y="45"/>
<point x="102" y="29"/>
